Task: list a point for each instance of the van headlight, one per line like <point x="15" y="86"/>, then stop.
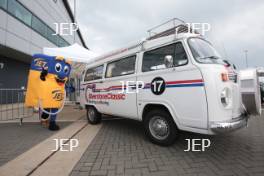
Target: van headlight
<point x="225" y="97"/>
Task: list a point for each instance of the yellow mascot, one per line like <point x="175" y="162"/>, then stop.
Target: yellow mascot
<point x="46" y="86"/>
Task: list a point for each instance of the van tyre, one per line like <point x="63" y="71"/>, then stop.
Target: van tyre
<point x="160" y="127"/>
<point x="93" y="116"/>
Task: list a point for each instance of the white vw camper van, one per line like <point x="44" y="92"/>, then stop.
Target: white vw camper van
<point x="174" y="80"/>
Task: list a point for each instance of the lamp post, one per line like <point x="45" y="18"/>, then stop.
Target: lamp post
<point x="246" y="57"/>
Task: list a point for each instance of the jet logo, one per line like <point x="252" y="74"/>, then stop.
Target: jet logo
<point x="57" y="95"/>
<point x="40" y="63"/>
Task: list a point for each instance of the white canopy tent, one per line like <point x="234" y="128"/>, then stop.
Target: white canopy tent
<point x="75" y="53"/>
<point x="79" y="55"/>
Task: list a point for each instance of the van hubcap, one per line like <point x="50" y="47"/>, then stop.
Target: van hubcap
<point x="91" y="115"/>
<point x="159" y="127"/>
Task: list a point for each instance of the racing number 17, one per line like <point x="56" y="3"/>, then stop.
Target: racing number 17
<point x="157" y="86"/>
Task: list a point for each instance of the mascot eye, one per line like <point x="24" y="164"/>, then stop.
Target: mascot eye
<point x="66" y="69"/>
<point x="58" y="67"/>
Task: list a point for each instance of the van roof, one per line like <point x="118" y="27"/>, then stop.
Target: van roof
<point x="178" y="31"/>
<point x="137" y="47"/>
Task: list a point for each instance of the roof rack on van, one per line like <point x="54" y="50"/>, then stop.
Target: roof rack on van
<point x="173" y="26"/>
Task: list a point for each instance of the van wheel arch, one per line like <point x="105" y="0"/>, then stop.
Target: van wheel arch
<point x="150" y="107"/>
<point x="159" y="124"/>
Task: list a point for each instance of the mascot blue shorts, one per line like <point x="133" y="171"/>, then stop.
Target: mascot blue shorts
<point x="46" y="85"/>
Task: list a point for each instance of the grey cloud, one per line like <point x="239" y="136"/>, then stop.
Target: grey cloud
<point x="107" y="25"/>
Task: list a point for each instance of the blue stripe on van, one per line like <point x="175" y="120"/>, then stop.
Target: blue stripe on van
<point x="186" y="85"/>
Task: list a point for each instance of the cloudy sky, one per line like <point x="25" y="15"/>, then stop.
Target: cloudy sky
<point x="236" y="25"/>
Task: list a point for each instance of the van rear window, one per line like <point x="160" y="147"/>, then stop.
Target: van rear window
<point x="94" y="73"/>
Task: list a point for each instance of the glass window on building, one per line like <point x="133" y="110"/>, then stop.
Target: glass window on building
<point x="19" y="12"/>
<point x="62" y="42"/>
<point x="52" y="38"/>
<point x="39" y="26"/>
<point x="3" y="4"/>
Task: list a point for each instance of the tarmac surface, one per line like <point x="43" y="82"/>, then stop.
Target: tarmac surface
<point x="121" y="148"/>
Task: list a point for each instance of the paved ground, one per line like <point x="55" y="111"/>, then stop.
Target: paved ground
<point x="120" y="148"/>
<point x="16" y="139"/>
<point x="69" y="113"/>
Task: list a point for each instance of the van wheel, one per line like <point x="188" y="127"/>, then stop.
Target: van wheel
<point x="93" y="116"/>
<point x="160" y="127"/>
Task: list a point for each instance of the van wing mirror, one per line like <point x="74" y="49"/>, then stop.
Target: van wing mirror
<point x="168" y="61"/>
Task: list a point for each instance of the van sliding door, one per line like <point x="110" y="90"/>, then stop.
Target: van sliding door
<point x="119" y="86"/>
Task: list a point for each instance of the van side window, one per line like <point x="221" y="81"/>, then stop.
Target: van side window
<point x="121" y="67"/>
<point x="94" y="73"/>
<point x="180" y="55"/>
<point x="165" y="57"/>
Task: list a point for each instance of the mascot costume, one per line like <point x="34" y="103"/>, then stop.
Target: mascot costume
<point x="46" y="86"/>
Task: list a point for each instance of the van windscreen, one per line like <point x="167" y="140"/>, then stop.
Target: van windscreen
<point x="204" y="52"/>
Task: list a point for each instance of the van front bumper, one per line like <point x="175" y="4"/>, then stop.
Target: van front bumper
<point x="230" y="125"/>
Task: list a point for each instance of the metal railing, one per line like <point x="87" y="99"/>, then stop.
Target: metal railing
<point x="12" y="105"/>
<point x="172" y="27"/>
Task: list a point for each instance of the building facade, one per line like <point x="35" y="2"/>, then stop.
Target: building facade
<point x="26" y="26"/>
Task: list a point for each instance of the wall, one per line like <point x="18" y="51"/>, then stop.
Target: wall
<point x="13" y="74"/>
<point x="16" y="35"/>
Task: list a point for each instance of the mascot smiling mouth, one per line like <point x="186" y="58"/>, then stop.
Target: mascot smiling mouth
<point x="60" y="81"/>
